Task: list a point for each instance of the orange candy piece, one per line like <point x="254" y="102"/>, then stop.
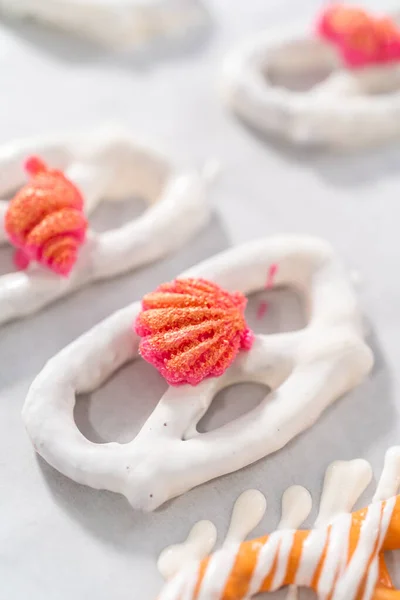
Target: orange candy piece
<point x="45" y="219"/>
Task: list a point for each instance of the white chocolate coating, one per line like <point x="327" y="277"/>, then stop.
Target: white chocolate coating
<point x="389" y="482"/>
<point x="296" y="506"/>
<point x="198" y="544"/>
<point x="247" y="513"/>
<point x="350" y="108"/>
<point x="105" y="166"/>
<point x="344" y="483"/>
<point x="115" y="23"/>
<point x="307" y="370"/>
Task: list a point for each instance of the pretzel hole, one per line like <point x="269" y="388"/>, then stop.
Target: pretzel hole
<point x="7" y="251"/>
<point x="6" y="259"/>
<point x="112" y="215"/>
<point x="276" y="311"/>
<point x="285" y="311"/>
<point x="378" y="81"/>
<point x="392" y="560"/>
<point x="231" y="403"/>
<point x="107" y="216"/>
<point x="116" y="411"/>
<point x="299" y="65"/>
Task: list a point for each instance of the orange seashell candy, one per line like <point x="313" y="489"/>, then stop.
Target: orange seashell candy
<point x="45" y="219"/>
<point x="192" y="329"/>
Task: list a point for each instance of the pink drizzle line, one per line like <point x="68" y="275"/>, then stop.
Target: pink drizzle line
<point x="263" y="307"/>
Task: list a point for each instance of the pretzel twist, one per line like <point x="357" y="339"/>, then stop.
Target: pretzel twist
<point x="343" y="561"/>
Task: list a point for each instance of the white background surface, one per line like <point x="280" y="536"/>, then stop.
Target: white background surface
<point x="59" y="540"/>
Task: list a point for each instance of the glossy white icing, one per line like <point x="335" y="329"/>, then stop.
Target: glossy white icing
<point x="339" y="579"/>
<point x="107" y="165"/>
<point x="307" y="370"/>
<point x="350" y="108"/>
<point x="372" y="532"/>
<point x="389" y="483"/>
<point x="247" y="513"/>
<point x="344" y="483"/>
<point x="199" y="543"/>
<point x="116" y="23"/>
<point x="296" y="506"/>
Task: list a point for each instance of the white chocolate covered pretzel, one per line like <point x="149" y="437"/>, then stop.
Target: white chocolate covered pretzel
<point x="350" y="108"/>
<point x="115" y="23"/>
<point x="307" y="370"/>
<point x="104" y="166"/>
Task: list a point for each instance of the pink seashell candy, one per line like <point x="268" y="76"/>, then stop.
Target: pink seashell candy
<point x="192" y="329"/>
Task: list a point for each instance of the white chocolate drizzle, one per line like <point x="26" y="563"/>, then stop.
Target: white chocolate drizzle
<point x="344" y="483"/>
<point x="389" y="482"/>
<point x="199" y="543"/>
<point x="247" y="513"/>
<point x="296" y="506"/>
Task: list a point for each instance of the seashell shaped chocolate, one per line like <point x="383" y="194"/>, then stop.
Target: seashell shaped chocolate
<point x="45" y="219"/>
<point x="192" y="329"/>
